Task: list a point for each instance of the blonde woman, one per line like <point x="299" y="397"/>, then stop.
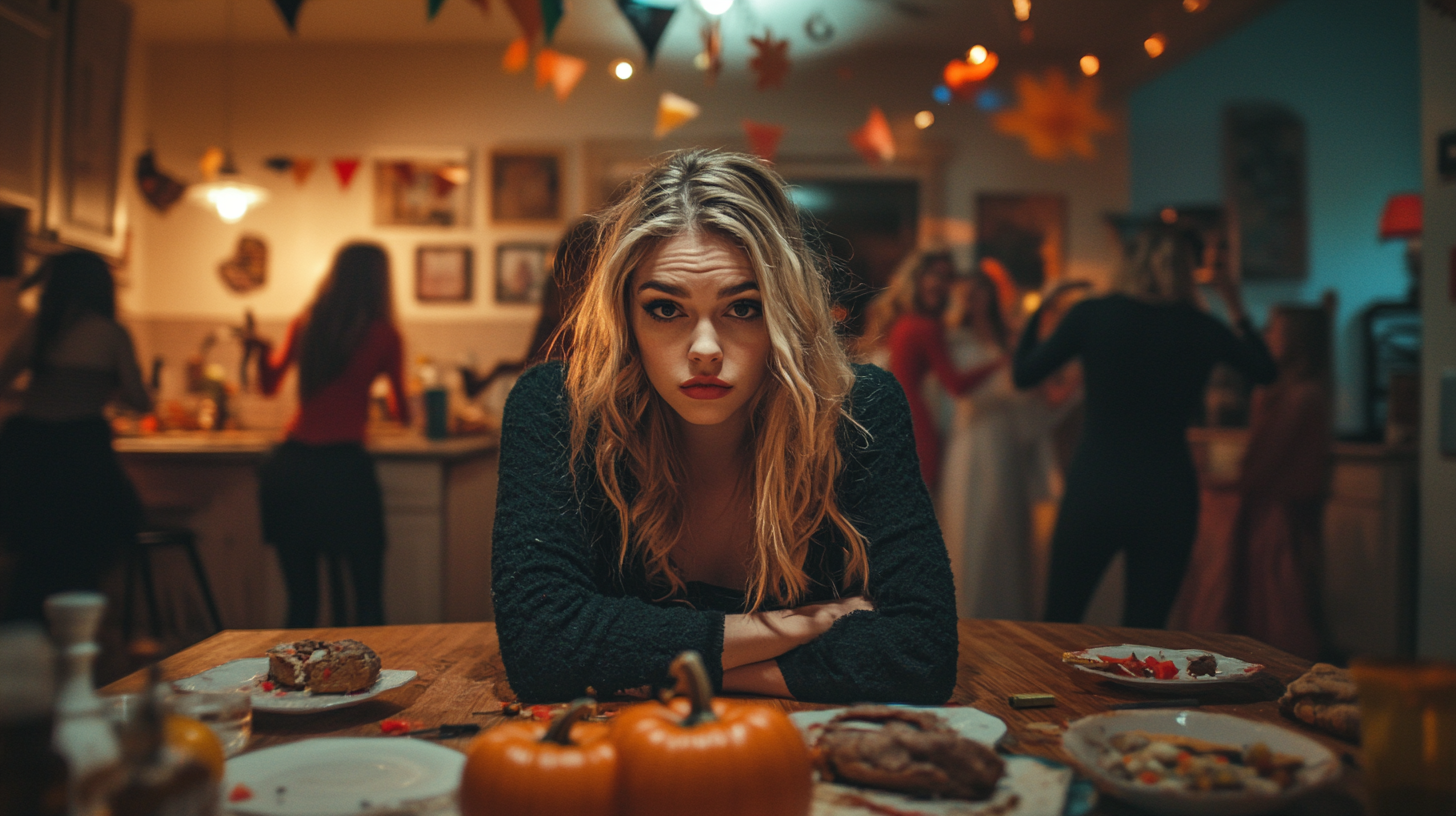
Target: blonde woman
<point x="1146" y="353"/>
<point x="707" y="471"/>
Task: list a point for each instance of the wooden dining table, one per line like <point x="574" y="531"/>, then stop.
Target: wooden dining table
<point x="462" y="680"/>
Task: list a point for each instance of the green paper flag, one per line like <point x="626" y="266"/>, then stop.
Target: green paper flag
<point x="649" y="21"/>
<point x="551" y="11"/>
<point x="434" y="7"/>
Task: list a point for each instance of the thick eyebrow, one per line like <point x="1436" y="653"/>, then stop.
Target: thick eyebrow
<point x="678" y="291"/>
<point x="738" y="289"/>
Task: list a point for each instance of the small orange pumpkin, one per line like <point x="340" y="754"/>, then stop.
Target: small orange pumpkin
<point x="530" y="769"/>
<point x="709" y="757"/>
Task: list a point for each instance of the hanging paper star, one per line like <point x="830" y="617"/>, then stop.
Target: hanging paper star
<point x="562" y="71"/>
<point x="518" y="54"/>
<point x="771" y="64"/>
<point x="873" y="139"/>
<point x="278" y="164"/>
<point x="673" y="111"/>
<point x="528" y="16"/>
<point x="289" y="10"/>
<point x="648" y="21"/>
<point x="344" y="169"/>
<point x="302" y="169"/>
<point x="963" y="77"/>
<point x="551" y="11"/>
<point x="433" y="8"/>
<point x="763" y="138"/>
<point x="1053" y="118"/>
<point x="711" y="59"/>
<point x="159" y="189"/>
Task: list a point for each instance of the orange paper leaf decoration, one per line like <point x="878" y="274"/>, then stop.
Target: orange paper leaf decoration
<point x="763" y="138"/>
<point x="1053" y="118"/>
<point x="673" y="112"/>
<point x="565" y="73"/>
<point x="518" y="55"/>
<point x="873" y="139"/>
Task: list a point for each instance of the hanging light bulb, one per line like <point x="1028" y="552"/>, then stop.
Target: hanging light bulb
<point x="924" y="119"/>
<point x="1022" y="8"/>
<point x="622" y="69"/>
<point x="1090" y="65"/>
<point x="977" y="54"/>
<point x="1155" y="45"/>
<point x="230" y="197"/>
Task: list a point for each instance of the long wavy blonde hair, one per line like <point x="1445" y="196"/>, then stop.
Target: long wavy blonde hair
<point x="900" y="297"/>
<point x="622" y="427"/>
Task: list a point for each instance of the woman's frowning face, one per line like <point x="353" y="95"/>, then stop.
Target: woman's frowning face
<point x="697" y="316"/>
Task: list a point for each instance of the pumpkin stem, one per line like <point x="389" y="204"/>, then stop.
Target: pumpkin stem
<point x="560" y="730"/>
<point x="692" y="682"/>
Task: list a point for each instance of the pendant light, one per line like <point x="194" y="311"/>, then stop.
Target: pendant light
<point x="228" y="194"/>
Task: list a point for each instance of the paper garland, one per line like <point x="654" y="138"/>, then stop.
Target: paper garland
<point x="673" y="112"/>
<point x="648" y="22"/>
<point x="771" y="64"/>
<point x="551" y="11"/>
<point x="763" y="138"/>
<point x="528" y="15"/>
<point x="517" y="56"/>
<point x="433" y="8"/>
<point x="344" y="170"/>
<point x="873" y="139"/>
<point x="278" y="164"/>
<point x="302" y="169"/>
<point x="289" y="10"/>
<point x="1054" y="119"/>
<point x="561" y="71"/>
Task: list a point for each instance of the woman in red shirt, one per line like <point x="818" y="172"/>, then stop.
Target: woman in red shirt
<point x="911" y="311"/>
<point x="318" y="490"/>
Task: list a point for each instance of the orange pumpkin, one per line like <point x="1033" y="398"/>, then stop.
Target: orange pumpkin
<point x="530" y="769"/>
<point x="709" y="757"/>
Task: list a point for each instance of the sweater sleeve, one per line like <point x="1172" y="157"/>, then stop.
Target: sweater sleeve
<point x="905" y="650"/>
<point x="1035" y="361"/>
<point x="560" y="632"/>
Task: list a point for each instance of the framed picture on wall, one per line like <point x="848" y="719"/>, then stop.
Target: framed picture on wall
<point x="1264" y="191"/>
<point x="520" y="272"/>
<point x="444" y="274"/>
<point x="423" y="191"/>
<point x="1027" y="232"/>
<point x="525" y="186"/>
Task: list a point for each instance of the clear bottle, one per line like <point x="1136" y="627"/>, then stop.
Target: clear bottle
<point x="83" y="734"/>
<point x="33" y="777"/>
<point x="156" y="780"/>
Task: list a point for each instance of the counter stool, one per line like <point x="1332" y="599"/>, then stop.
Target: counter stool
<point x="138" y="559"/>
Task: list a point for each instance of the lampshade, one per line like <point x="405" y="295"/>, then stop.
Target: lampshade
<point x="227" y="194"/>
<point x="1402" y="217"/>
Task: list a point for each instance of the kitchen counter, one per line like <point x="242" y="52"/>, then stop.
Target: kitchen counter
<point x="253" y="444"/>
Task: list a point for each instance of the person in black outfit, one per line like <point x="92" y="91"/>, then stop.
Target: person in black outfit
<point x="707" y="471"/>
<point x="1146" y="354"/>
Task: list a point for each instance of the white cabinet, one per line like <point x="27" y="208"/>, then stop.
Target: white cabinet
<point x="28" y="36"/>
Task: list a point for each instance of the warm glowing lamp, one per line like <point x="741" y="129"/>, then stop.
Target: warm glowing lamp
<point x="1402" y="217"/>
<point x="976" y="55"/>
<point x="226" y="194"/>
<point x="924" y="119"/>
<point x="1155" y="45"/>
<point x="622" y="69"/>
<point x="1022" y="9"/>
<point x="1090" y="65"/>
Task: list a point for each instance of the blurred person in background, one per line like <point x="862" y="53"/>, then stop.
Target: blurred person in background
<point x="908" y="321"/>
<point x="1146" y="352"/>
<point x="318" y="490"/>
<point x="67" y="509"/>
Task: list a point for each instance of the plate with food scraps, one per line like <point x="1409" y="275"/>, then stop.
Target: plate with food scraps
<point x="1193" y="763"/>
<point x="251" y="674"/>
<point x="972" y="723"/>
<point x="330" y="776"/>
<point x="1174" y="671"/>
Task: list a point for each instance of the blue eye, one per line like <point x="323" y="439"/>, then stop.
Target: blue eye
<point x="663" y="310"/>
<point x="746" y="309"/>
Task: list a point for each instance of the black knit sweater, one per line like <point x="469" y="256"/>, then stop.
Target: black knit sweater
<point x="569" y="620"/>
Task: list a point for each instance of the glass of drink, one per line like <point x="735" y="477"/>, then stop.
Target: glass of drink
<point x="1408" y="733"/>
<point x="229" y="714"/>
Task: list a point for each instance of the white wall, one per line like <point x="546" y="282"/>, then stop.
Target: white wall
<point x="1437" y="613"/>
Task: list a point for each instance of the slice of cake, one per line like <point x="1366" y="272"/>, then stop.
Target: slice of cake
<point x="339" y="667"/>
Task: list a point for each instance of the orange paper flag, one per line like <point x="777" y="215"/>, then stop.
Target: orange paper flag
<point x="518" y="54"/>
<point x="302" y="169"/>
<point x="873" y="139"/>
<point x="673" y="112"/>
<point x="545" y="67"/>
<point x="344" y="170"/>
<point x="763" y="138"/>
<point x="565" y="73"/>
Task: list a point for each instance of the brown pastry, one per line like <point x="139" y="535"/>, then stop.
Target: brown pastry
<point x="1205" y="665"/>
<point x="914" y="752"/>
<point x="1325" y="698"/>
<point x="339" y="667"/>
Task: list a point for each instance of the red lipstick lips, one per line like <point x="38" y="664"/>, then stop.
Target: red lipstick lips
<point x="705" y="387"/>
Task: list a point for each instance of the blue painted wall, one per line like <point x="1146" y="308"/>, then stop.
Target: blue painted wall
<point x="1350" y="69"/>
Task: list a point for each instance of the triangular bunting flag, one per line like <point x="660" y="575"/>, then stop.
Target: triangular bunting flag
<point x="518" y="56"/>
<point x="278" y="164"/>
<point x="528" y="15"/>
<point x="763" y="138"/>
<point x="545" y="67"/>
<point x="551" y="11"/>
<point x="302" y="169"/>
<point x="433" y="8"/>
<point x="673" y="112"/>
<point x="649" y="22"/>
<point x="344" y="170"/>
<point x="566" y="72"/>
<point x="873" y="139"/>
<point x="289" y="10"/>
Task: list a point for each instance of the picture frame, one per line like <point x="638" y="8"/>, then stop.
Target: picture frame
<point x="423" y="190"/>
<point x="525" y="187"/>
<point x="521" y="270"/>
<point x="1017" y="224"/>
<point x="444" y="274"/>
<point x="1264" y="186"/>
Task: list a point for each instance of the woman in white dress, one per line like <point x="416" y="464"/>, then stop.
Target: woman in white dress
<point x="998" y="463"/>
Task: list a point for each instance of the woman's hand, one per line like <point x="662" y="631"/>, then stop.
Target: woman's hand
<point x="761" y="636"/>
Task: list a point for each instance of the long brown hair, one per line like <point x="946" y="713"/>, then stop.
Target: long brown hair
<point x="77" y="283"/>
<point x="901" y="297"/>
<point x="621" y="423"/>
<point x="353" y="296"/>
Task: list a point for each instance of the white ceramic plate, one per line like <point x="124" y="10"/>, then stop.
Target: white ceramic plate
<point x="337" y="776"/>
<point x="1030" y="787"/>
<point x="972" y="723"/>
<point x="1086" y="737"/>
<point x="250" y="672"/>
<point x="1228" y="669"/>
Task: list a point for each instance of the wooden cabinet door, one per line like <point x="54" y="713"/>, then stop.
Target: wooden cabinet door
<point x="26" y="53"/>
